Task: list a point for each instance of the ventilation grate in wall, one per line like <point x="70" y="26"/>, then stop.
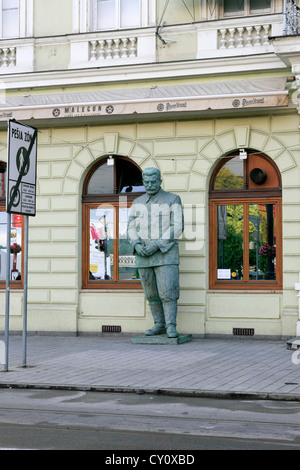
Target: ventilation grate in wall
<point x="243" y="331"/>
<point x="111" y="329"/>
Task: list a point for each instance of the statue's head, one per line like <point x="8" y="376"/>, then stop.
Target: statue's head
<point x="151" y="180"/>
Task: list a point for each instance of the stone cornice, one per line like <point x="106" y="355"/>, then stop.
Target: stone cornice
<point x="144" y="72"/>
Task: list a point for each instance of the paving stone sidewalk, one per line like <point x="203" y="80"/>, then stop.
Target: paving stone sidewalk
<point x="203" y="367"/>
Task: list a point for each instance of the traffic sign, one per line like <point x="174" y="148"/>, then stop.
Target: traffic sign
<point x="21" y="169"/>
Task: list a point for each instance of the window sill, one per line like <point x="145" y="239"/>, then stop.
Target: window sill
<point x="244" y="291"/>
<point x="110" y="290"/>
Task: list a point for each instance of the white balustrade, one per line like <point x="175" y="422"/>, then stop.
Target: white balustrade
<point x="232" y="37"/>
<point x="113" y="49"/>
<point x="99" y="50"/>
<point x="243" y="36"/>
<point x="7" y="57"/>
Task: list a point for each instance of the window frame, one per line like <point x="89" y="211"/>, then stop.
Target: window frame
<point x="118" y="19"/>
<point x="246" y="197"/>
<point x="83" y="15"/>
<point x="25" y="20"/>
<point x="246" y="11"/>
<point x="92" y="201"/>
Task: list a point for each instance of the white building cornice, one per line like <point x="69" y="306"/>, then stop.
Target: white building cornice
<point x="144" y="72"/>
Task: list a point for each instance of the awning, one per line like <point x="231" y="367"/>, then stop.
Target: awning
<point x="235" y="94"/>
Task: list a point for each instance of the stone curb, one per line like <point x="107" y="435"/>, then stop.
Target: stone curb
<point x="167" y="392"/>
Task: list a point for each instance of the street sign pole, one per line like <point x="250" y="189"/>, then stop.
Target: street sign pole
<point x="8" y="230"/>
<point x="25" y="292"/>
<point x="20" y="199"/>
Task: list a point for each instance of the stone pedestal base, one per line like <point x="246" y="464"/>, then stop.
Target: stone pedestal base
<point x="293" y="343"/>
<point x="161" y="339"/>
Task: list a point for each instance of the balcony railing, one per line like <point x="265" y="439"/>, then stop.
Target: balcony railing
<point x="238" y="36"/>
<point x="8" y="57"/>
<point x="104" y="49"/>
<point x="16" y="56"/>
<point x="113" y="49"/>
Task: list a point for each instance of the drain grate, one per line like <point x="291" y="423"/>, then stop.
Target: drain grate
<point x="243" y="331"/>
<point x="111" y="329"/>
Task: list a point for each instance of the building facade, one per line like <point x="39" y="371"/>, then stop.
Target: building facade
<point x="206" y="91"/>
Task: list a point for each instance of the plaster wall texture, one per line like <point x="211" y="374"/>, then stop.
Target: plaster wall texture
<point x="186" y="153"/>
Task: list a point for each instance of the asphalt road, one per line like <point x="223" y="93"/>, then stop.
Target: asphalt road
<point x="68" y="420"/>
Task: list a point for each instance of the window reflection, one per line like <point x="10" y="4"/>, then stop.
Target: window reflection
<point x="130" y="13"/>
<point x="10" y="18"/>
<point x="233" y="5"/>
<point x="127" y="269"/>
<point x="262" y="242"/>
<point x="101" y="244"/>
<point x="230" y="242"/>
<point x="231" y="175"/>
<point x="121" y="177"/>
<point x="102" y="180"/>
<point x="15" y="247"/>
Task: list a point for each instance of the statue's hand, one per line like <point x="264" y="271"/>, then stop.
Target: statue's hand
<point x="139" y="249"/>
<point x="150" y="248"/>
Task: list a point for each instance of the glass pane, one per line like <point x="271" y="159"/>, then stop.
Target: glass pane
<point x="106" y="14"/>
<point x="101" y="243"/>
<point x="231" y="6"/>
<point x="129" y="177"/>
<point x="10" y="23"/>
<point x="102" y="180"/>
<point x="130" y="13"/>
<point x="230" y="242"/>
<point x="231" y="175"/>
<point x="6" y="4"/>
<point x="260" y="4"/>
<point x="15" y="247"/>
<point x="127" y="269"/>
<point x="262" y="242"/>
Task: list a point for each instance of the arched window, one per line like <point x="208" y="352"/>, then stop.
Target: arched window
<point x="108" y="192"/>
<point x="245" y="224"/>
<point x="15" y="242"/>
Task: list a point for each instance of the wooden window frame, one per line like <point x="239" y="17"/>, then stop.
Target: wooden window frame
<point x="245" y="283"/>
<point x="246" y="197"/>
<point x="92" y="201"/>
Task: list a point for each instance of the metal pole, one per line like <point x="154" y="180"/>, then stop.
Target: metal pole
<point x="8" y="232"/>
<point x="25" y="271"/>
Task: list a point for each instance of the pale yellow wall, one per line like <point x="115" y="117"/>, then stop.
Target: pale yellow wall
<point x="184" y="48"/>
<point x="53" y="17"/>
<point x="54" y="56"/>
<point x="186" y="152"/>
<point x="176" y="11"/>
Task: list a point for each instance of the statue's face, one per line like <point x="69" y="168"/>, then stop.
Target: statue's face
<point x="152" y="184"/>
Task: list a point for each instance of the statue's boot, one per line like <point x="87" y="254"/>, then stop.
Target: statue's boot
<point x="170" y="312"/>
<point x="159" y="327"/>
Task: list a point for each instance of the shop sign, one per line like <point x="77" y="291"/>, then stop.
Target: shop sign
<point x="171" y="105"/>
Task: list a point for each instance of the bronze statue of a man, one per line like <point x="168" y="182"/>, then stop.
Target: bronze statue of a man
<point x="154" y="226"/>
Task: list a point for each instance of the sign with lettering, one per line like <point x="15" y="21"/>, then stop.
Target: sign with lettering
<point x="21" y="169"/>
<point x="147" y="106"/>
